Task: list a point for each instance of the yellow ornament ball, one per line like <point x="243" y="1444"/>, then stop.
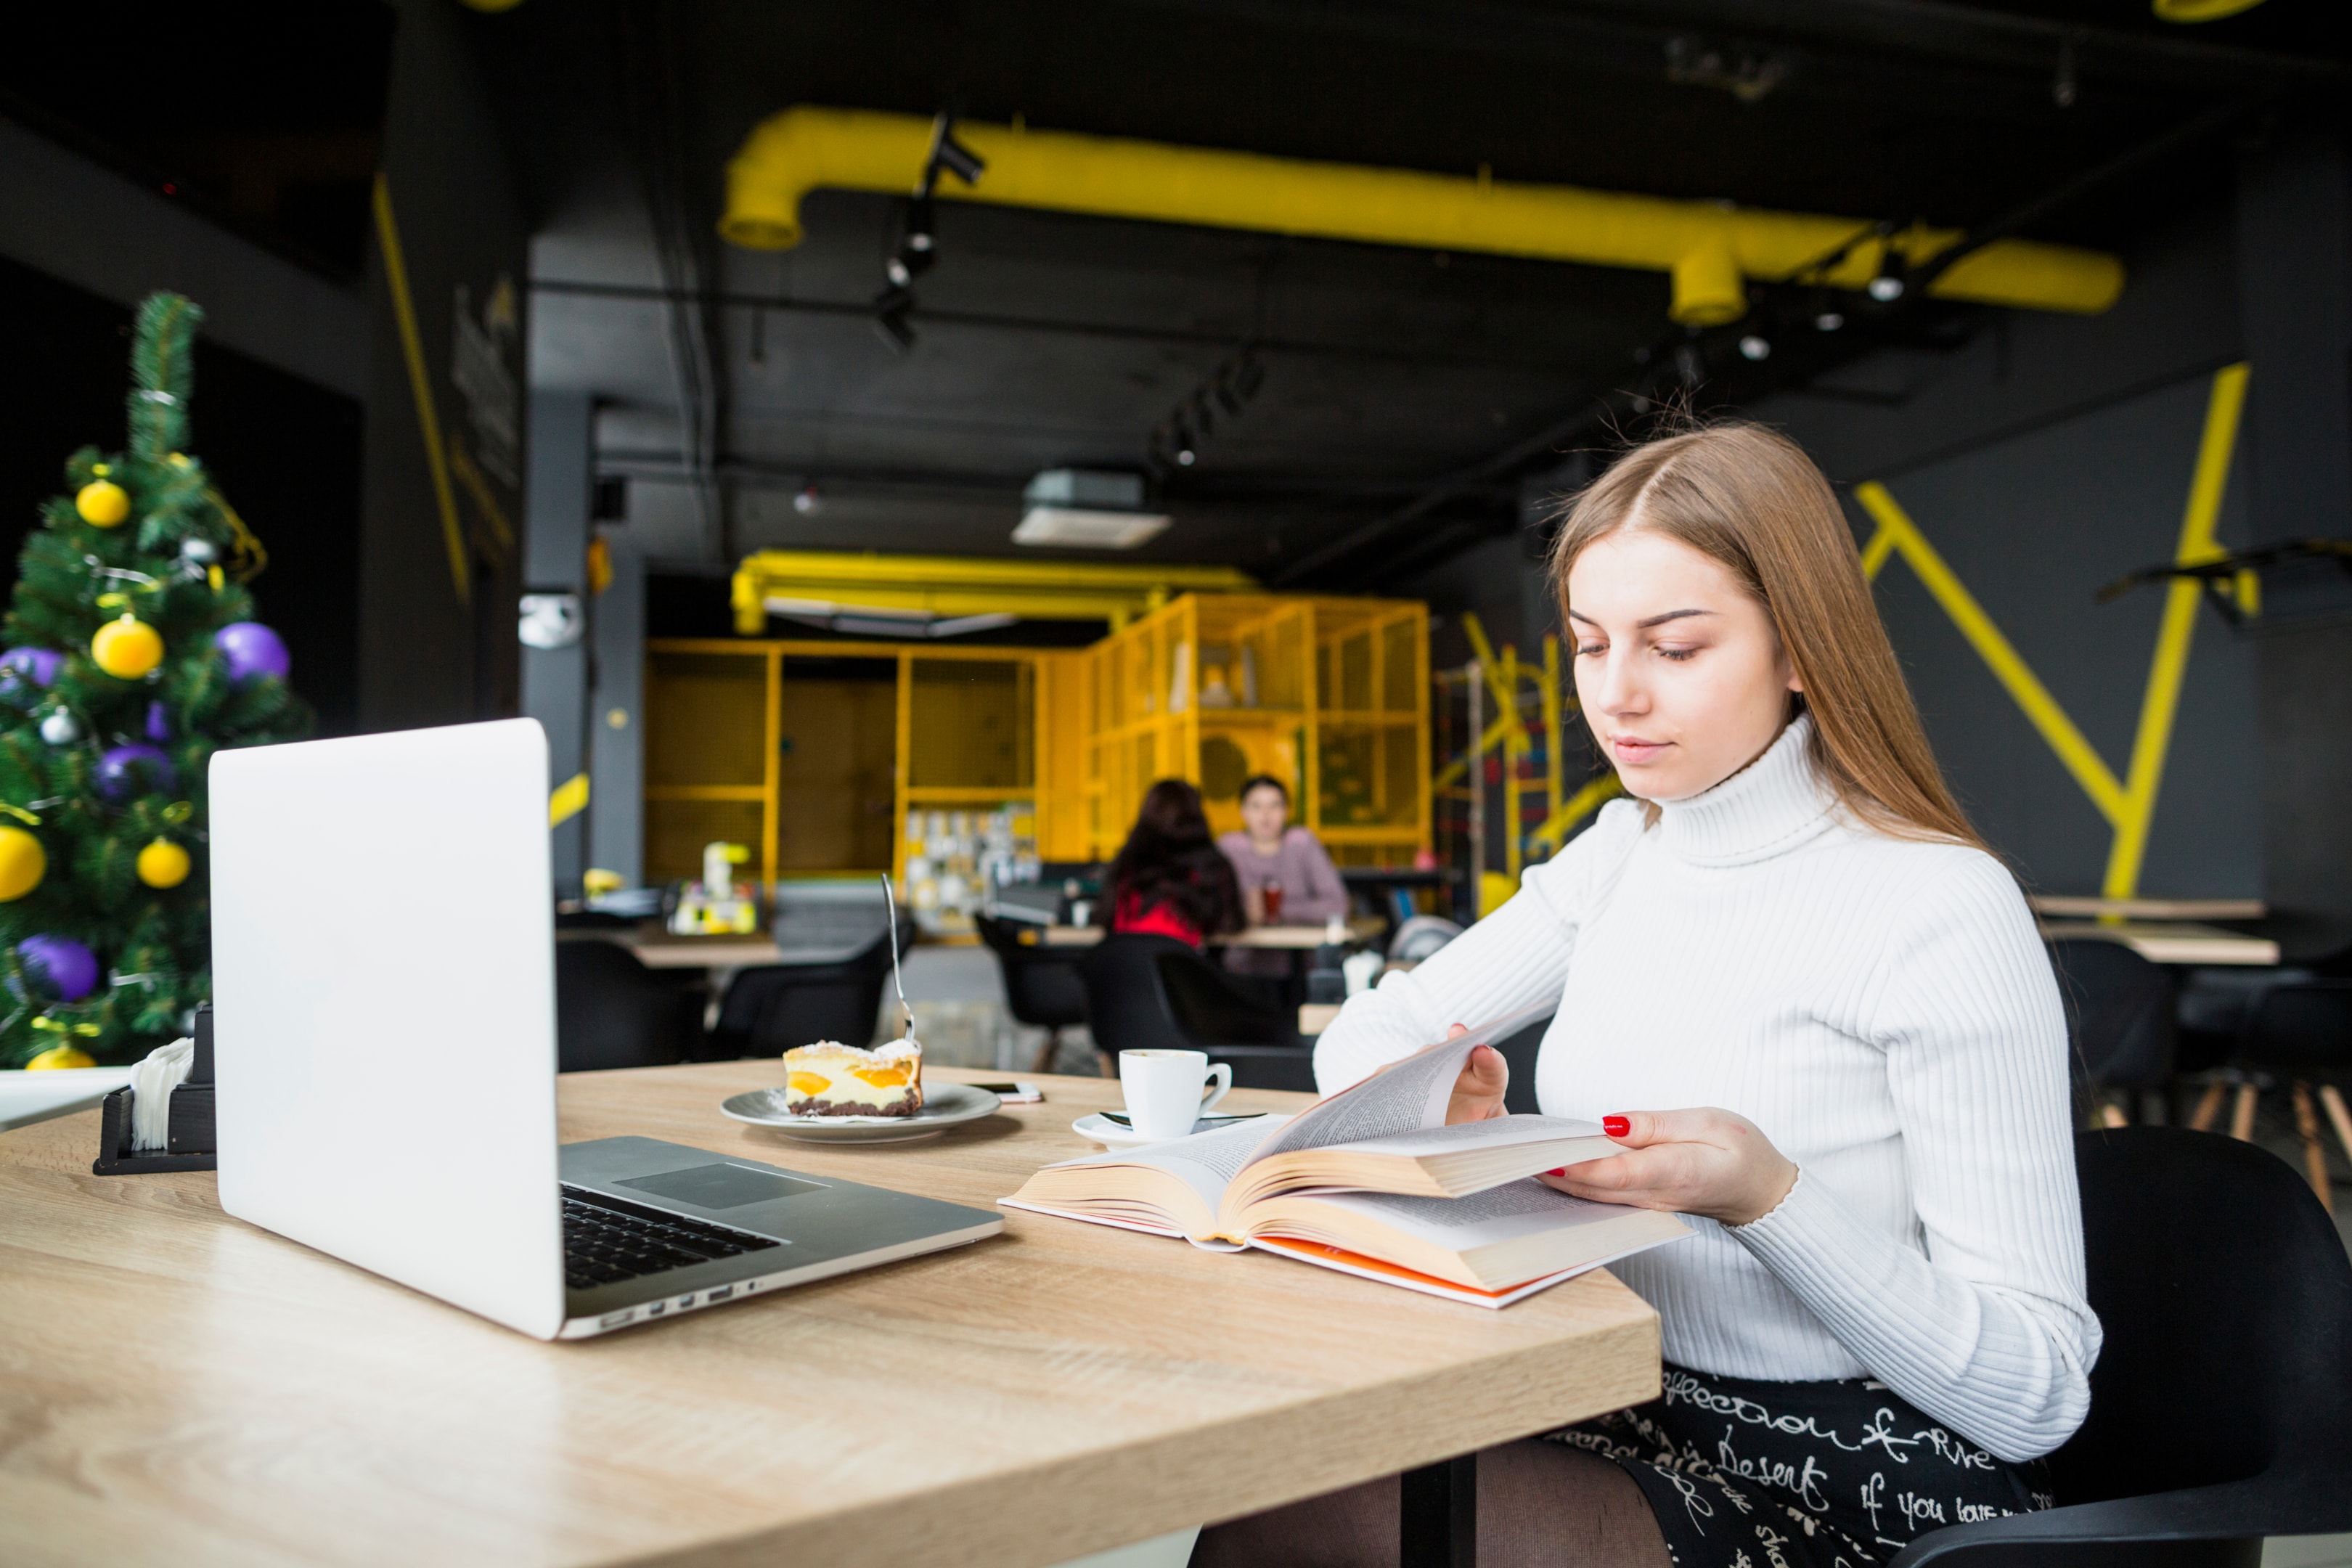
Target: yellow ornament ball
<point x="23" y="863"/>
<point x="163" y="864"/>
<point x="102" y="503"/>
<point x="59" y="1056"/>
<point x="127" y="648"/>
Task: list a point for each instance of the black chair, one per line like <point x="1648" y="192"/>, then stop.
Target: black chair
<point x="2120" y="1022"/>
<point x="2221" y="1403"/>
<point x="1042" y="986"/>
<point x="1154" y="993"/>
<point x="772" y="1007"/>
<point x="611" y="1011"/>
<point x="2298" y="1031"/>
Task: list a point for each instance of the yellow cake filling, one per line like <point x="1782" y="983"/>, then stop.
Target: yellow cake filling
<point x="829" y="1079"/>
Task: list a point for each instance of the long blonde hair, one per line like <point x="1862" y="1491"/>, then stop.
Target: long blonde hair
<point x="1750" y="500"/>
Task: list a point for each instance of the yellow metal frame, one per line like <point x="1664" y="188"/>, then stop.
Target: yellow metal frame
<point x="1708" y="248"/>
<point x="2128" y="803"/>
<point x="1507" y="676"/>
<point x="1143" y="699"/>
<point x="818" y="582"/>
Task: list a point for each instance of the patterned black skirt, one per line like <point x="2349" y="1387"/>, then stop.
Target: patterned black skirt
<point x="1743" y="1474"/>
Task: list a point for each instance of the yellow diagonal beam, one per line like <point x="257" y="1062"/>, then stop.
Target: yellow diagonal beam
<point x="420" y="387"/>
<point x="1490" y="665"/>
<point x="2161" y="703"/>
<point x="2041" y="709"/>
<point x="1577" y="807"/>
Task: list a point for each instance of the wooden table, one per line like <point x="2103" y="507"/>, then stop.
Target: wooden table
<point x="2070" y="906"/>
<point x="180" y="1388"/>
<point x="2178" y="941"/>
<point x="1293" y="938"/>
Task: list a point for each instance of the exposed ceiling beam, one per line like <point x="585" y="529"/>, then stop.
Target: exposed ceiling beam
<point x="985" y="320"/>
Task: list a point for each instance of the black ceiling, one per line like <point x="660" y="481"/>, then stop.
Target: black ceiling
<point x="1045" y="339"/>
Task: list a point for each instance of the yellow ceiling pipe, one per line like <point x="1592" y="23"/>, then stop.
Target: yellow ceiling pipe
<point x="827" y="581"/>
<point x="1708" y="248"/>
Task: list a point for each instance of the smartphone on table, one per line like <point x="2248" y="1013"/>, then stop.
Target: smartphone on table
<point x="1012" y="1093"/>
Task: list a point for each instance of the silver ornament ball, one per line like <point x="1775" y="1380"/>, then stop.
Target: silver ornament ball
<point x="203" y="551"/>
<point x="60" y="729"/>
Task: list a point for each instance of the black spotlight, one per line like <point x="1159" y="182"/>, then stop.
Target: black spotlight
<point x="950" y="154"/>
<point x="892" y="308"/>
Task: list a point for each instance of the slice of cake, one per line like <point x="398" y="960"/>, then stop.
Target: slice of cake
<point x="829" y="1079"/>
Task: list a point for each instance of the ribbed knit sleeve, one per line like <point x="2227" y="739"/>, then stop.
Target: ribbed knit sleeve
<point x="1982" y="1322"/>
<point x="1514" y="958"/>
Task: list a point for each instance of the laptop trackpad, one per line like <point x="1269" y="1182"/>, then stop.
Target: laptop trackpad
<point x="720" y="1186"/>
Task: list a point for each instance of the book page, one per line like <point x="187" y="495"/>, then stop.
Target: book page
<point x="1499" y="1214"/>
<point x="1205" y="1161"/>
<point x="1406" y="1097"/>
<point x="1500" y="1133"/>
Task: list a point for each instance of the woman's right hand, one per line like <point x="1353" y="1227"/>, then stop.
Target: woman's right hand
<point x="1478" y="1092"/>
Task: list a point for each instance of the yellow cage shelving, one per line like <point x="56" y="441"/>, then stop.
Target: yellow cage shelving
<point x="1329" y="695"/>
<point x="803" y="768"/>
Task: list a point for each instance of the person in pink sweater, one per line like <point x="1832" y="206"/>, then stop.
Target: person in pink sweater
<point x="1269" y="854"/>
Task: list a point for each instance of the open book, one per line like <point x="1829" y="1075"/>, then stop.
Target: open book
<point x="1372" y="1182"/>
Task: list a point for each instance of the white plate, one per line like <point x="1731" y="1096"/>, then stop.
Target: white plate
<point x="1094" y="1125"/>
<point x="944" y="1105"/>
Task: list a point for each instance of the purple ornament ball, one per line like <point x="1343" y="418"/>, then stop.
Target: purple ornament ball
<point x="59" y="965"/>
<point x="250" y="650"/>
<point x="159" y="722"/>
<point x="126" y="770"/>
<point x="25" y="668"/>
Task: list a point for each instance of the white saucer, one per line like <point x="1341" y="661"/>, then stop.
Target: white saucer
<point x="1100" y="1129"/>
<point x="944" y="1105"/>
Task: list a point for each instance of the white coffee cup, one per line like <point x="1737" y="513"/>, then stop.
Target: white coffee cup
<point x="1167" y="1091"/>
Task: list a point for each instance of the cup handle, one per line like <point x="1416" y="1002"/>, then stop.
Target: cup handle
<point x="1223" y="1073"/>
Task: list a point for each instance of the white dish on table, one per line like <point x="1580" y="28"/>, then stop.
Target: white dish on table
<point x="944" y="1105"/>
<point x="1102" y="1129"/>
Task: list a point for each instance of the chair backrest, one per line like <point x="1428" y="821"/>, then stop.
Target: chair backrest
<point x="1042" y="987"/>
<point x="2120" y="1029"/>
<point x="1127" y="1004"/>
<point x="774" y="1008"/>
<point x="1213" y="1011"/>
<point x="2226" y="1297"/>
<point x="2306" y="1026"/>
<point x="611" y="1011"/>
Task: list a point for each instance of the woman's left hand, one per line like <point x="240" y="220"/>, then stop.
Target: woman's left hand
<point x="1704" y="1162"/>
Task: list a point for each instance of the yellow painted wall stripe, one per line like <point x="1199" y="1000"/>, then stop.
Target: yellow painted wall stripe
<point x="2025" y="687"/>
<point x="2161" y="703"/>
<point x="2129" y="805"/>
<point x="420" y="386"/>
<point x="569" y="800"/>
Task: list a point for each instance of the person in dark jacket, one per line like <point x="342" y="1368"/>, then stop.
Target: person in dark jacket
<point x="1170" y="878"/>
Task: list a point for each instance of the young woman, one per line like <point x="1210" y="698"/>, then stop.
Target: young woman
<point x="1813" y="1011"/>
<point x="1269" y="853"/>
<point x="1169" y="878"/>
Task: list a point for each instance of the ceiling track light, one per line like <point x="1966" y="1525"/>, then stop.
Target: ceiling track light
<point x="1221" y="395"/>
<point x="892" y="308"/>
<point x="1756" y="346"/>
<point x="918" y="247"/>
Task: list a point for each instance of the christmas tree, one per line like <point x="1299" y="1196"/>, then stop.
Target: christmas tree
<point x="132" y="656"/>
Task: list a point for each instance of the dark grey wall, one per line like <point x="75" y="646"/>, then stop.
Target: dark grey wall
<point x="427" y="656"/>
<point x="2047" y="458"/>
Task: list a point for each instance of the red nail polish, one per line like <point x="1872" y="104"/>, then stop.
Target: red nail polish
<point x="1557" y="1171"/>
<point x="1616" y="1126"/>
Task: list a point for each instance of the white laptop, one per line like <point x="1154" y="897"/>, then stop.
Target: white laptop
<point x="384" y="983"/>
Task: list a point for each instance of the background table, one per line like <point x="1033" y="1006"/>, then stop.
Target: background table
<point x="2175" y="942"/>
<point x="180" y="1388"/>
<point x="1294" y="939"/>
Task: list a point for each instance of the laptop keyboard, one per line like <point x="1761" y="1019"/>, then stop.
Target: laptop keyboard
<point x="605" y="1243"/>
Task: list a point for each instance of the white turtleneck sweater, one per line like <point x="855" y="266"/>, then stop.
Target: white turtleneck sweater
<point x="1884" y="1010"/>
